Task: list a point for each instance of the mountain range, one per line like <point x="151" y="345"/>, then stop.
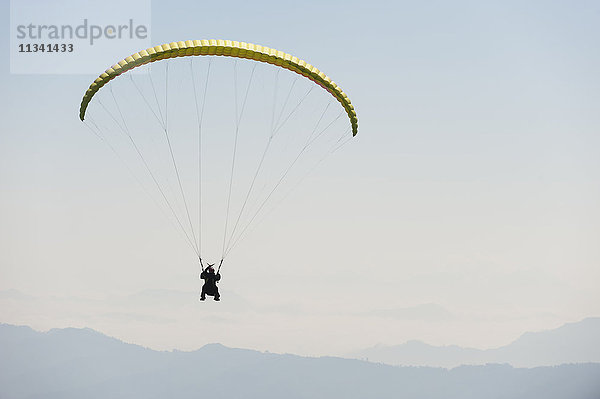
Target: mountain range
<point x="571" y="343"/>
<point x="82" y="363"/>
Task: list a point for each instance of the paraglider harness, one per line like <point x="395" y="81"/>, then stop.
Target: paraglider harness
<point x="210" y="281"/>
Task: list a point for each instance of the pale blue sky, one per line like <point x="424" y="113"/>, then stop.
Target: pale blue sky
<point x="473" y="185"/>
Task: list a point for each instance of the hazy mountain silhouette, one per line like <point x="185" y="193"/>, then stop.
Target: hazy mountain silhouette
<point x="571" y="343"/>
<point x="81" y="363"/>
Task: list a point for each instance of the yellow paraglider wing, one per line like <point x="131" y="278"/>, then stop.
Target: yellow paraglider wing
<point x="225" y="48"/>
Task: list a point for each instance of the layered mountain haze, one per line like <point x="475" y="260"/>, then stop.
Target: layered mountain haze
<point x="571" y="343"/>
<point x="81" y="363"/>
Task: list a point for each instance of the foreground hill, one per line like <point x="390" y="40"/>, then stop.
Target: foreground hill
<point x="82" y="363"/>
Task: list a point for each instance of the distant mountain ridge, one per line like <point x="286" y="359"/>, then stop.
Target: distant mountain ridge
<point x="82" y="363"/>
<point x="571" y="343"/>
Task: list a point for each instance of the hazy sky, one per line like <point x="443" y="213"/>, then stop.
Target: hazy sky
<point x="465" y="211"/>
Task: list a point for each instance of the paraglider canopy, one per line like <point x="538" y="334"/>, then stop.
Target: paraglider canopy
<point x="117" y="116"/>
<point x="226" y="48"/>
